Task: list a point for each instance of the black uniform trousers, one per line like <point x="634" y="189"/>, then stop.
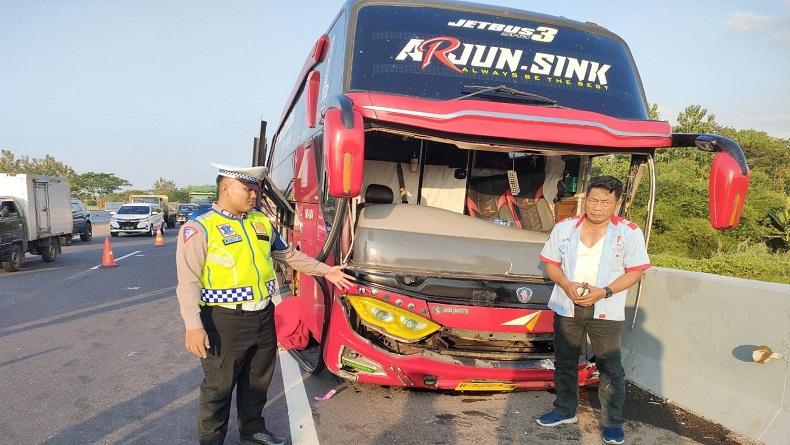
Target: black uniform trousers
<point x="242" y="354"/>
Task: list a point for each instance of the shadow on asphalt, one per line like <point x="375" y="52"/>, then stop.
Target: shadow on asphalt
<point x="160" y="428"/>
<point x="642" y="406"/>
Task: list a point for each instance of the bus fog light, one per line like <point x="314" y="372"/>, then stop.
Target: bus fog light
<point x="352" y="359"/>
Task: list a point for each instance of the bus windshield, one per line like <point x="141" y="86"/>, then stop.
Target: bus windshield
<point x="445" y="54"/>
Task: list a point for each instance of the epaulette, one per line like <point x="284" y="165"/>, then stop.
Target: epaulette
<point x="199" y="212"/>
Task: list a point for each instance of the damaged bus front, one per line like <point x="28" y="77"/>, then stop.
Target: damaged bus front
<point x="431" y="146"/>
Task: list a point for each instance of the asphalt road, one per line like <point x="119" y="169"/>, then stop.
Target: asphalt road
<point x="92" y="355"/>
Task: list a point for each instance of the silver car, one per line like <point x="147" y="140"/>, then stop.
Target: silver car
<point x="137" y="218"/>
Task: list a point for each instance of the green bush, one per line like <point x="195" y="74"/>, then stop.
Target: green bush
<point x="681" y="236"/>
<point x="755" y="263"/>
<point x="690" y="237"/>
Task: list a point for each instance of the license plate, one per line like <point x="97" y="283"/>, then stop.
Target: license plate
<point x="485" y="386"/>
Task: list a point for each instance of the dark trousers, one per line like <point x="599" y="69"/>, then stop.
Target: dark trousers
<point x="242" y="354"/>
<point x="605" y="336"/>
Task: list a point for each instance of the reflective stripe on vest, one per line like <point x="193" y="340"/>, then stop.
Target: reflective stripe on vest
<point x="238" y="266"/>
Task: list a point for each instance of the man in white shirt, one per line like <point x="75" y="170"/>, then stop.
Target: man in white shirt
<point x="593" y="259"/>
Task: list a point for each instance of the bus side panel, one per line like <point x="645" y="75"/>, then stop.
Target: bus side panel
<point x="296" y="166"/>
<point x="311" y="238"/>
<point x="310" y="181"/>
<point x="305" y="180"/>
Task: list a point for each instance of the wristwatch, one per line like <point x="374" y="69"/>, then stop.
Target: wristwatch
<point x="608" y="292"/>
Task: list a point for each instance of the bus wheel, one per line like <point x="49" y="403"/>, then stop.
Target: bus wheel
<point x="311" y="358"/>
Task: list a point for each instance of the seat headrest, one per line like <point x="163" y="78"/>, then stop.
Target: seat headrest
<point x="378" y="194"/>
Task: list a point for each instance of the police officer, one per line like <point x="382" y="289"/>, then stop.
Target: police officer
<point x="225" y="282"/>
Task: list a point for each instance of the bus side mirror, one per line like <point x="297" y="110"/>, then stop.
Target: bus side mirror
<point x="314" y="78"/>
<point x="726" y="191"/>
<point x="319" y="49"/>
<point x="344" y="148"/>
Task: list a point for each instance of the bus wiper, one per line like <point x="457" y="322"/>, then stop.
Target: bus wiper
<point x="507" y="90"/>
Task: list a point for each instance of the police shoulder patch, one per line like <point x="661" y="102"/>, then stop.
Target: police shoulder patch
<point x="188" y="233"/>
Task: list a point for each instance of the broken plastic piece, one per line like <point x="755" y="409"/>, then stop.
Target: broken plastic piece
<point x="327" y="396"/>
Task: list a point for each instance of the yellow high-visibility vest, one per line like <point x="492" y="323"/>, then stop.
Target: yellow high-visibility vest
<point x="238" y="267"/>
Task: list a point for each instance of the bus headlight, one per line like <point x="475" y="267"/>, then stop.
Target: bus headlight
<point x="391" y="320"/>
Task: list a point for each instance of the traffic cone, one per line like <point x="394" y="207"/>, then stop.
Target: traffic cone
<point x="159" y="240"/>
<point x="107" y="259"/>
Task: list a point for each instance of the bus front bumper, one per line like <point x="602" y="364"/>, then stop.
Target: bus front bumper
<point x="349" y="355"/>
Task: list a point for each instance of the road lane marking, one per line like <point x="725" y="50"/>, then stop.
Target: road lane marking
<point x="118" y="259"/>
<point x="300" y="416"/>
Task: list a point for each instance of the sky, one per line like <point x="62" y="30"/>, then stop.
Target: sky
<point x="154" y="89"/>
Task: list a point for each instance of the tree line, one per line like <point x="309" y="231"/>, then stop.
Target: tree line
<point x="681" y="237"/>
<point x="95" y="189"/>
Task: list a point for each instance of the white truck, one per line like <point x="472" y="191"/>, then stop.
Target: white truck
<point x="35" y="216"/>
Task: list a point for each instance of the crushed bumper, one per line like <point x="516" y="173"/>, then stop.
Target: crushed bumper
<point x="353" y="357"/>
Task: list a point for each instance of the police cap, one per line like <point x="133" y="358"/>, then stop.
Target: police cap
<point x="250" y="176"/>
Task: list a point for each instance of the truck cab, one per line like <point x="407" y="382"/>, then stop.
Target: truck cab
<point x="12" y="236"/>
<point x="184" y="210"/>
<point x="203" y="199"/>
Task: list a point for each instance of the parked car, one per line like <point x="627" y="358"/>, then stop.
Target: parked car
<point x="81" y="221"/>
<point x="137" y="218"/>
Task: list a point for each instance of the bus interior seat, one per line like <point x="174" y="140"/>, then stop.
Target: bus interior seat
<point x="490" y="198"/>
<point x="376" y="194"/>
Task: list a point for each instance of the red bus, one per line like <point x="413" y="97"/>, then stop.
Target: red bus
<point x="431" y="146"/>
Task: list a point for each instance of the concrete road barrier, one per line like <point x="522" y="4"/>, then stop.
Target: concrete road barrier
<point x="693" y="342"/>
